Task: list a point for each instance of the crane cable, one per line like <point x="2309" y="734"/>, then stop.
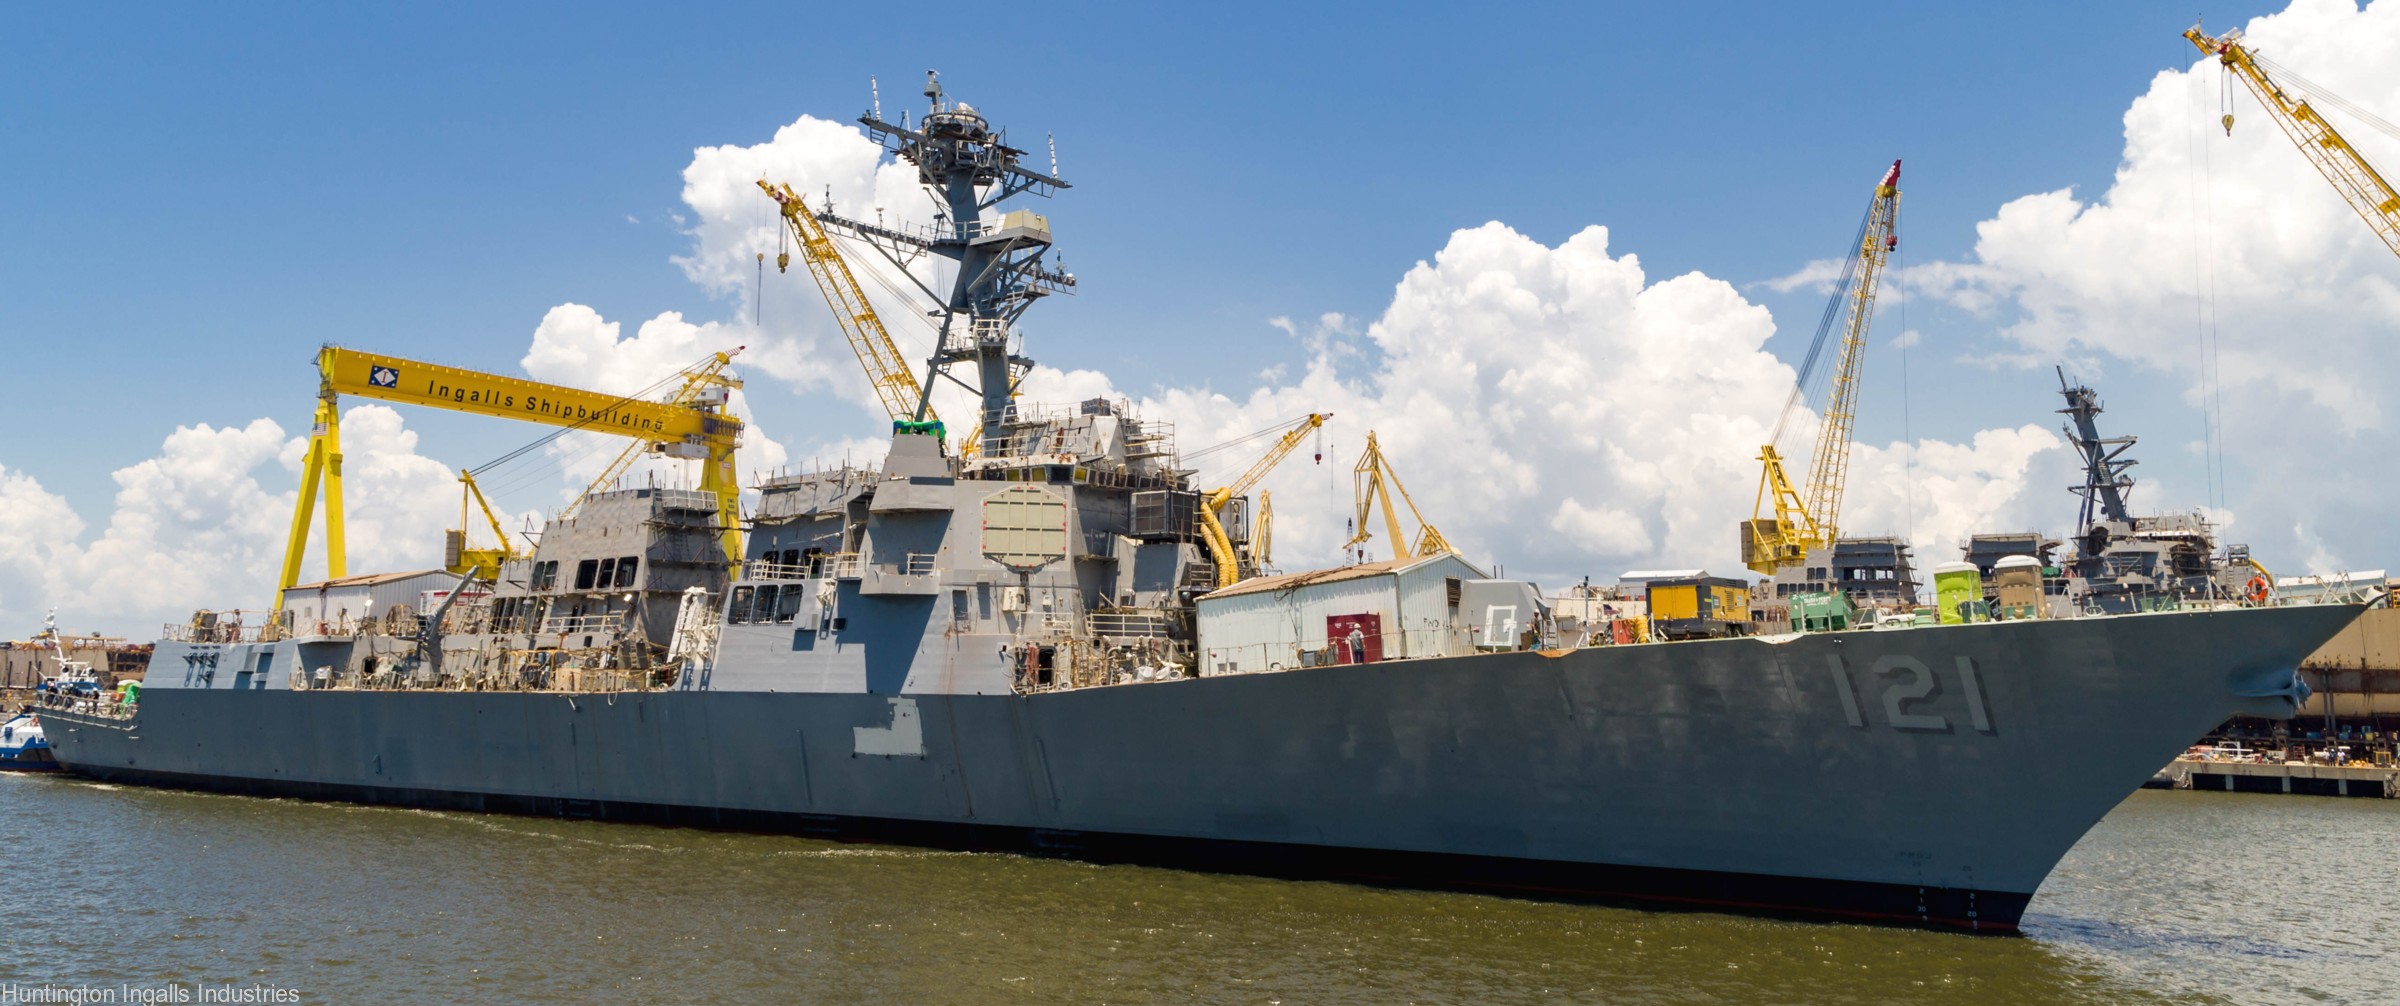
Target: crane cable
<point x="2201" y="184"/>
<point x="1277" y="430"/>
<point x="527" y="476"/>
<point x="1908" y="437"/>
<point x="545" y="439"/>
<point x="850" y="248"/>
<point x="2216" y="340"/>
<point x="546" y="467"/>
<point x="2193" y="152"/>
<point x="2318" y="95"/>
<point x="1833" y="310"/>
<point x="1223" y="445"/>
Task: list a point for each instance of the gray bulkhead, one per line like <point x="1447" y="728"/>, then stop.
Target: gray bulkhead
<point x="887" y="584"/>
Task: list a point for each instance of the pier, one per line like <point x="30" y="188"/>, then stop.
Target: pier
<point x="2304" y="778"/>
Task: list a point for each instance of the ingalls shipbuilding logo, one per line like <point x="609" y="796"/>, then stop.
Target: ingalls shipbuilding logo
<point x="384" y="377"/>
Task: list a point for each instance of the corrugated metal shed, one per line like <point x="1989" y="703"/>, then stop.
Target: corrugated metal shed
<point x="1291" y="581"/>
<point x="332" y="603"/>
<point x="1302" y="619"/>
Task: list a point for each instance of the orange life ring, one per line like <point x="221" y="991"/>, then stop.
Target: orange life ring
<point x="2258" y="590"/>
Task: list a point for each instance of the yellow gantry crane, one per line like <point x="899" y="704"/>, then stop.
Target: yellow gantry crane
<point x="1786" y="520"/>
<point x="1372" y="481"/>
<point x="698" y="430"/>
<point x="2359" y="183"/>
<point x="887" y="371"/>
<point x="1212" y="527"/>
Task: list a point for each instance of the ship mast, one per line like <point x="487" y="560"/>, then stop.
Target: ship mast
<point x="2105" y="482"/>
<point x="969" y="169"/>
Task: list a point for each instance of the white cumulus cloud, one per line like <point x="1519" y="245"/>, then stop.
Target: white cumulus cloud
<point x="2228" y="265"/>
<point x="202" y="524"/>
<point x="574" y="346"/>
<point x="1551" y="407"/>
<point x="731" y="223"/>
<point x="1555" y="409"/>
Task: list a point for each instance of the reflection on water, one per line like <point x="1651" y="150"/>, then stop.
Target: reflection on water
<point x="2176" y="897"/>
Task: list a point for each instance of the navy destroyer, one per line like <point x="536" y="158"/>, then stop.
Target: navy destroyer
<point x="1048" y="637"/>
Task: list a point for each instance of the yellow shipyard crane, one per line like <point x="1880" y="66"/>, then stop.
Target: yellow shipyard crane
<point x="457" y="556"/>
<point x="904" y="400"/>
<point x="1372" y="481"/>
<point x="2359" y="183"/>
<point x="1786" y="520"/>
<point x="699" y="429"/>
<point x="1212" y="527"/>
<point x="1262" y="532"/>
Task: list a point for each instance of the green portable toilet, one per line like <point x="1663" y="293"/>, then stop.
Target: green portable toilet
<point x="1822" y="611"/>
<point x="1956" y="587"/>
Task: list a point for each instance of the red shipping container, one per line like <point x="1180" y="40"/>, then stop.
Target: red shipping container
<point x="1357" y="639"/>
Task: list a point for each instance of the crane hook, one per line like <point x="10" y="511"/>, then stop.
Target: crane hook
<point x="2229" y="123"/>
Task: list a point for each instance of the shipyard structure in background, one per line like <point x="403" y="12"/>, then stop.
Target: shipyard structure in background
<point x="1046" y="636"/>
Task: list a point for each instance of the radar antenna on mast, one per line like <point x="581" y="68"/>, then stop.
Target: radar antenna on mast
<point x="1002" y="263"/>
<point x="2105" y="483"/>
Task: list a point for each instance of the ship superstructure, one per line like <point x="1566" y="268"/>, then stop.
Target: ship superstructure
<point x="2119" y="561"/>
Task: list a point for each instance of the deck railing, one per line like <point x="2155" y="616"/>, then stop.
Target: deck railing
<point x="241" y="626"/>
<point x="568" y="625"/>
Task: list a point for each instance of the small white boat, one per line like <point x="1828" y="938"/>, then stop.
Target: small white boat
<point x="22" y="746"/>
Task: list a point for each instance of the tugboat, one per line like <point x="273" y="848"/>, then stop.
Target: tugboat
<point x="22" y="746"/>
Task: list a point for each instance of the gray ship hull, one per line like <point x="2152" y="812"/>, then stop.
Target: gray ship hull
<point x="1930" y="776"/>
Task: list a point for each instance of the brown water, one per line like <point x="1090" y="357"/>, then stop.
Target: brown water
<point x="2176" y="897"/>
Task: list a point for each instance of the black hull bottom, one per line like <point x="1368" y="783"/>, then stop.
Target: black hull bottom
<point x="1985" y="912"/>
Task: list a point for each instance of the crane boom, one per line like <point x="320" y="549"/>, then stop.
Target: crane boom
<point x="1829" y="473"/>
<point x="887" y="371"/>
<point x="699" y="430"/>
<point x="1373" y="483"/>
<point x="1809" y="516"/>
<point x="1212" y="528"/>
<point x="1284" y="445"/>
<point x="2359" y="183"/>
<point x="412" y="382"/>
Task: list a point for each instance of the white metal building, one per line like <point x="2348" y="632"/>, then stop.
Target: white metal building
<point x="329" y="606"/>
<point x="1373" y="611"/>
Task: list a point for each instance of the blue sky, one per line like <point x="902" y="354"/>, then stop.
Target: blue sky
<point x="196" y="197"/>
